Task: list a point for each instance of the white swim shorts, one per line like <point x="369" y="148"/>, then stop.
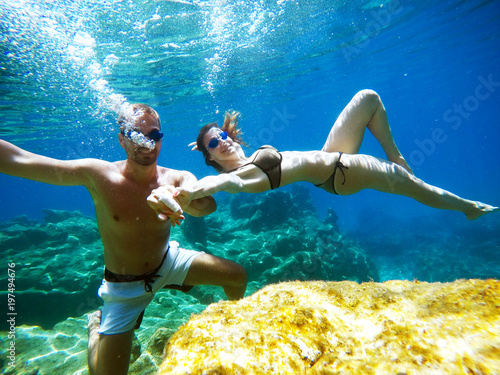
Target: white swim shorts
<point x="125" y="300"/>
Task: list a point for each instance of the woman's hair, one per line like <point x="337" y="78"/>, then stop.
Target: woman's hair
<point x="233" y="131"/>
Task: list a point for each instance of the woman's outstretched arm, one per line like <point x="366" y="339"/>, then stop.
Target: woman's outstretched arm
<point x="228" y="182"/>
<point x="249" y="180"/>
<point x="175" y="198"/>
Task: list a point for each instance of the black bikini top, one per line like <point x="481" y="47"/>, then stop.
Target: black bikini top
<point x="268" y="160"/>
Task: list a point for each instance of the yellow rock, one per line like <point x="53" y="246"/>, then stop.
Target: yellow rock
<point x="396" y="327"/>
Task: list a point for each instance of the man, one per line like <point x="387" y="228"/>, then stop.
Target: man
<point x="138" y="258"/>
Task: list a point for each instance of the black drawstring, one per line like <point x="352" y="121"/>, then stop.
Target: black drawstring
<point x="148" y="278"/>
<point x="340" y="166"/>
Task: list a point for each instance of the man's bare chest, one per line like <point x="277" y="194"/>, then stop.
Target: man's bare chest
<point x="124" y="201"/>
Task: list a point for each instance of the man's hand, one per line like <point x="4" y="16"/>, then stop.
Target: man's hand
<point x="162" y="201"/>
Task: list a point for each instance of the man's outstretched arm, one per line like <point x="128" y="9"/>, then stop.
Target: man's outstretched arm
<point x="17" y="162"/>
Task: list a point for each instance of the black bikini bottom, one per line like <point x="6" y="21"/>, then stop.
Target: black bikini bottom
<point x="338" y="165"/>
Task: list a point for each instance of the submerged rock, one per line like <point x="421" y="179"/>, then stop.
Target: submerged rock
<point x="396" y="327"/>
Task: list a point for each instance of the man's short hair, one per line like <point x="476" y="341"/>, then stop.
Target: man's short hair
<point x="128" y="115"/>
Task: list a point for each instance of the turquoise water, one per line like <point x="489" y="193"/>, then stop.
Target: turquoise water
<point x="289" y="67"/>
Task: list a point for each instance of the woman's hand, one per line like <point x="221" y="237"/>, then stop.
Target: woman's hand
<point x="183" y="196"/>
<point x="162" y="201"/>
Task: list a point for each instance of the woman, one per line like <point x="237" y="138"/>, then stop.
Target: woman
<point x="337" y="168"/>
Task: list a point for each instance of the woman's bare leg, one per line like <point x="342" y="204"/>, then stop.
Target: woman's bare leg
<point x="365" y="110"/>
<point x="368" y="172"/>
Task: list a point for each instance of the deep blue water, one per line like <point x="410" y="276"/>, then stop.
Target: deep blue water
<point x="288" y="66"/>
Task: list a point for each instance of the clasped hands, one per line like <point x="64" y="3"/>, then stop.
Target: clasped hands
<point x="168" y="202"/>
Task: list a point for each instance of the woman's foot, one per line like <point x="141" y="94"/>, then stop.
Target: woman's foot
<point x="479" y="209"/>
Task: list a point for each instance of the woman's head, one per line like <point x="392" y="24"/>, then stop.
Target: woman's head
<point x="230" y="126"/>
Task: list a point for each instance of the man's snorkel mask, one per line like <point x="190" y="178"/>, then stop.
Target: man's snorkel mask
<point x="128" y="128"/>
<point x="143" y="140"/>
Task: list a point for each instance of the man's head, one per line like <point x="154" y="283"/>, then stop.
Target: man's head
<point x="131" y="116"/>
<point x="140" y="133"/>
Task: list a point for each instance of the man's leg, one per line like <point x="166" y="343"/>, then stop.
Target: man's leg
<point x="209" y="269"/>
<point x="113" y="357"/>
<point x="93" y="334"/>
<point x="108" y="354"/>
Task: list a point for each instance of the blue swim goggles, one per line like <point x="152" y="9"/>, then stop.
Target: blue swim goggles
<point x="214" y="142"/>
<point x="144" y="140"/>
<point x="155" y="134"/>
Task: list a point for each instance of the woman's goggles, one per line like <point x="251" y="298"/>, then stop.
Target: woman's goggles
<point x="214" y="142"/>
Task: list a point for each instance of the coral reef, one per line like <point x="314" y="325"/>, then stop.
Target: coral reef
<point x="442" y="247"/>
<point x="63" y="349"/>
<point x="396" y="327"/>
<point x="278" y="237"/>
<point x="58" y="263"/>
